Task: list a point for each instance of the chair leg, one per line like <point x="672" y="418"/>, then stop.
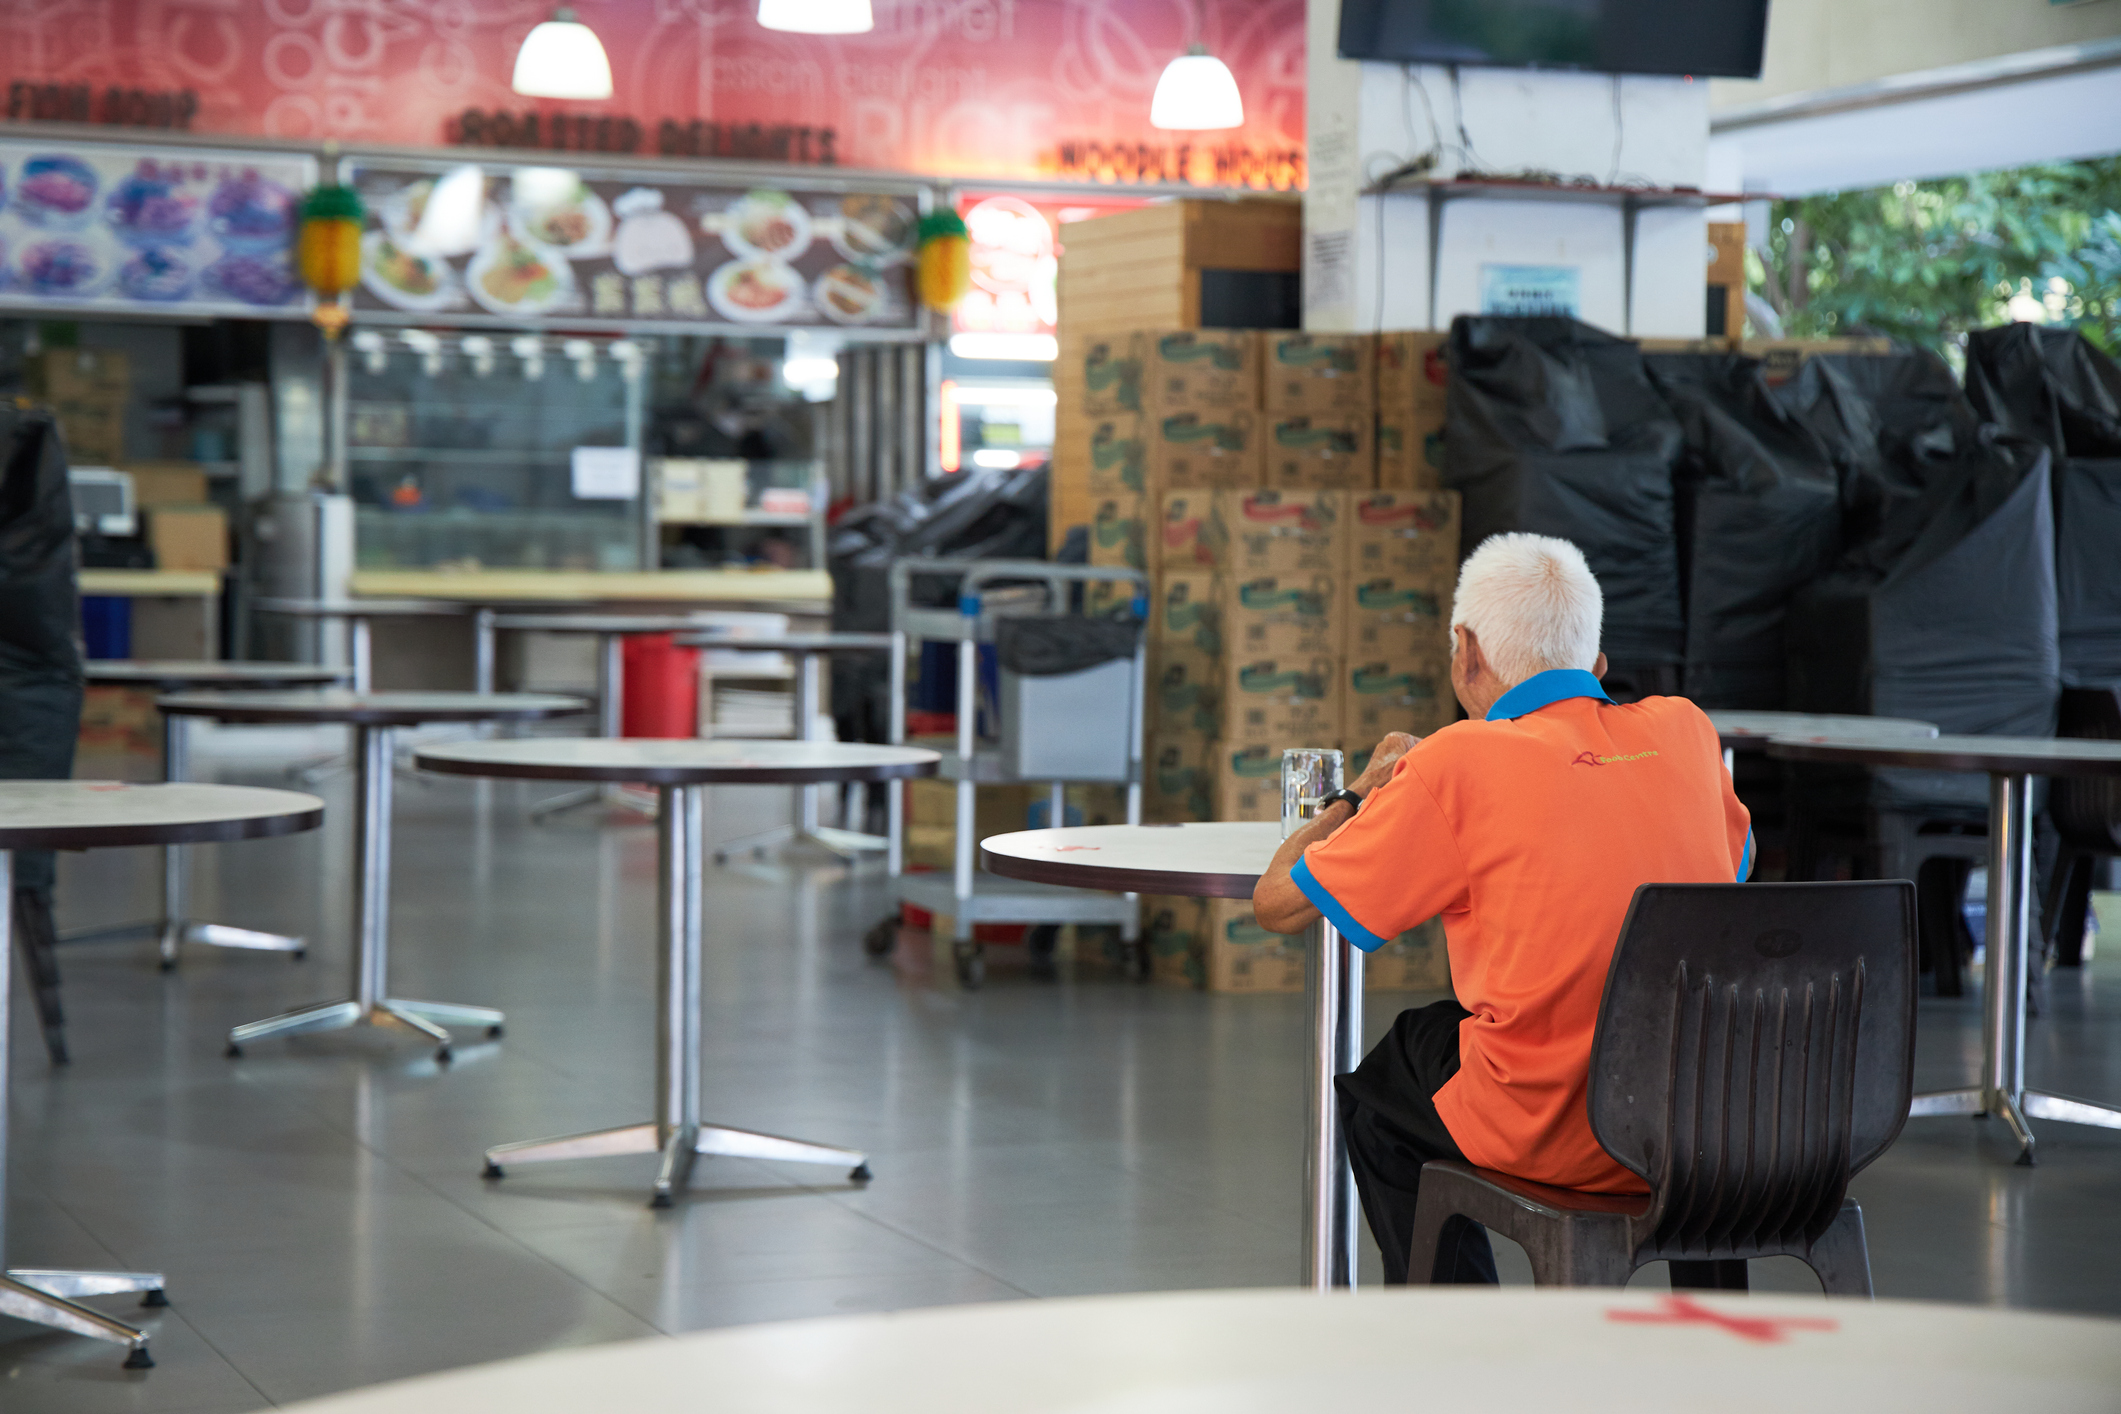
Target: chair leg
<point x="2072" y="907"/>
<point x="1722" y="1274"/>
<point x="1841" y="1257"/>
<point x="1430" y="1214"/>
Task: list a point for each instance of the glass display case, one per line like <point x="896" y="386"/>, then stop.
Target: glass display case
<point x="462" y="451"/>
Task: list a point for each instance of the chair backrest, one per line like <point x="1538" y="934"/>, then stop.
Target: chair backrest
<point x="1755" y="1049"/>
<point x="2087" y="809"/>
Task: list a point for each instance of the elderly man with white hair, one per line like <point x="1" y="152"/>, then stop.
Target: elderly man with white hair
<point x="1528" y="828"/>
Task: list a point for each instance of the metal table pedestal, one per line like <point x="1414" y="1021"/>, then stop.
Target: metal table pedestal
<point x="370" y="1003"/>
<point x="677" y="1132"/>
<point x="43" y="1295"/>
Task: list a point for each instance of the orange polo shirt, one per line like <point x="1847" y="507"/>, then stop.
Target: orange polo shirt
<point x="1529" y="833"/>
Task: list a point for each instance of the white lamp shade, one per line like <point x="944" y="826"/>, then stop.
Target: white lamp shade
<point x="1197" y="92"/>
<point x="562" y="58"/>
<point x="817" y="16"/>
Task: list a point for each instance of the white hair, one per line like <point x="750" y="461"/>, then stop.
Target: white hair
<point x="1532" y="602"/>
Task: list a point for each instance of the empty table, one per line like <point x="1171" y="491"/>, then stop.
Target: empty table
<point x="1225" y="860"/>
<point x="1247" y="1352"/>
<point x="2010" y="764"/>
<point x="374" y="716"/>
<point x="175" y="926"/>
<point x="357" y="614"/>
<point x="680" y="772"/>
<point x="610" y="632"/>
<point x="810" y="651"/>
<point x="1751" y="731"/>
<point x="95" y="815"/>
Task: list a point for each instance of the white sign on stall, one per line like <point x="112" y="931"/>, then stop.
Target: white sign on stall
<point x="606" y="473"/>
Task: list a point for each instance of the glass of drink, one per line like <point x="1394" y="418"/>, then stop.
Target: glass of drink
<point x="1308" y="775"/>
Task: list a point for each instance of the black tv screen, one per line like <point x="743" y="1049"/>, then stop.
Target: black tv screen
<point x="1705" y="38"/>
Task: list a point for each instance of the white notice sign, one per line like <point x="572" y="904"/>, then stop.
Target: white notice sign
<point x="607" y="473"/>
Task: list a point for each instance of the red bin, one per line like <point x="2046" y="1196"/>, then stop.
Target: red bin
<point x="661" y="693"/>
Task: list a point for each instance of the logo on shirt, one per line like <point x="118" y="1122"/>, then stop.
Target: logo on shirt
<point x="1592" y="758"/>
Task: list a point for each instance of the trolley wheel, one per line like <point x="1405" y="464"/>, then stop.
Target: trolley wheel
<point x="879" y="940"/>
<point x="971" y="966"/>
<point x="1041" y="942"/>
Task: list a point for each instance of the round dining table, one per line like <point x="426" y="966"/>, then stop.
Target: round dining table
<point x="1224" y="859"/>
<point x="681" y="771"/>
<point x="1284" y="1352"/>
<point x="375" y="718"/>
<point x="176" y="926"/>
<point x="1751" y="731"/>
<point x="357" y="615"/>
<point x="2010" y="763"/>
<point x="101" y="815"/>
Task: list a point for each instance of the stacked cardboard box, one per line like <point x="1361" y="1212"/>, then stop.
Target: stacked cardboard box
<point x="88" y="390"/>
<point x="1410" y="410"/>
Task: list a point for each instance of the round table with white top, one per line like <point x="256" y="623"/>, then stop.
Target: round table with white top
<point x="357" y="614"/>
<point x="1751" y="731"/>
<point x="98" y="815"/>
<point x="1224" y="859"/>
<point x="681" y="771"/>
<point x="176" y="927"/>
<point x="374" y="716"/>
<point x="1281" y="1352"/>
<point x="2010" y="763"/>
<point x="810" y="650"/>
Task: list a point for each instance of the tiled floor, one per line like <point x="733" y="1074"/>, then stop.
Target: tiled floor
<point x="318" y="1209"/>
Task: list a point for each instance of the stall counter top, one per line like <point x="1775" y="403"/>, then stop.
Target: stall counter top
<point x="595" y="587"/>
<point x="149" y="583"/>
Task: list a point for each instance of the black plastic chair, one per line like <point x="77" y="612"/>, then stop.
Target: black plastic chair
<point x="1755" y="1050"/>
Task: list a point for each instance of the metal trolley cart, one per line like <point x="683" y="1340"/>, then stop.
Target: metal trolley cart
<point x="1066" y="729"/>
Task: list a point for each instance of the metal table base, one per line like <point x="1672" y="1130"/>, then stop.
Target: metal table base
<point x="371" y="1004"/>
<point x="1332" y="1214"/>
<point x="2002" y="1089"/>
<point x="677" y="1132"/>
<point x="847" y="844"/>
<point x="44" y="1295"/>
<point x="175" y="927"/>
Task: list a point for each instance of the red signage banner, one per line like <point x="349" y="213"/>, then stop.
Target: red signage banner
<point x="993" y="88"/>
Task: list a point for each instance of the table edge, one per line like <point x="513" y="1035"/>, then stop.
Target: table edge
<point x="1116" y="878"/>
<point x="1958" y="762"/>
<point x="675" y="775"/>
<point x="203" y="832"/>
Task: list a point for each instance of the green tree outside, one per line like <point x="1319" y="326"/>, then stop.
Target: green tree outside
<point x="1926" y="262"/>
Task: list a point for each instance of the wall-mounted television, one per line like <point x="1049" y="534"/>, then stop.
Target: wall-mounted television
<point x="1704" y="38"/>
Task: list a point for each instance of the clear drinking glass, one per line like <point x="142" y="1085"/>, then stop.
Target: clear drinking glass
<point x="1308" y="775"/>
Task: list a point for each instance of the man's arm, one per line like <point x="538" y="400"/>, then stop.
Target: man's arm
<point x="1278" y="904"/>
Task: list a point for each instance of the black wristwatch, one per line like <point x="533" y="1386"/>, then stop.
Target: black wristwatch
<point x="1354" y="800"/>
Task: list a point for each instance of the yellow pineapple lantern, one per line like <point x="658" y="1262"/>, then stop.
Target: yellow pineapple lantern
<point x="328" y="253"/>
<point x="946" y="259"/>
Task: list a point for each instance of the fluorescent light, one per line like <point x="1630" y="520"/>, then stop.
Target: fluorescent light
<point x="1197" y="92"/>
<point x="817" y="16"/>
<point x="1022" y="348"/>
<point x="1006" y="397"/>
<point x="452" y="221"/>
<point x="995" y="460"/>
<point x="562" y="58"/>
<point x="798" y="371"/>
<point x="950" y="439"/>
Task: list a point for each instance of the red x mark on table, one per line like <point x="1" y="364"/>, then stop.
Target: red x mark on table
<point x="1684" y="1310"/>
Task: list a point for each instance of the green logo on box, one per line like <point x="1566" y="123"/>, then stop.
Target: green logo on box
<point x="1262" y="678"/>
<point x="1299" y="436"/>
<point x="1262" y="596"/>
<point x="1380" y="596"/>
<point x="1184" y="348"/>
<point x="1318" y="358"/>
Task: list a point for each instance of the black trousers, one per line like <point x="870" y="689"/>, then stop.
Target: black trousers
<point x="1388" y="1113"/>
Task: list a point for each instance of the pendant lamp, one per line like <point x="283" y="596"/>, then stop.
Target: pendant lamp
<point x="817" y="16"/>
<point x="562" y="58"/>
<point x="1197" y="91"/>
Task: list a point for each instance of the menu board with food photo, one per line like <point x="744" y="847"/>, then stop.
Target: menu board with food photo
<point x="516" y="244"/>
<point x="89" y="226"/>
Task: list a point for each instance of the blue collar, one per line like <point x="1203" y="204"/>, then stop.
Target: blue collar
<point x="1544" y="689"/>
